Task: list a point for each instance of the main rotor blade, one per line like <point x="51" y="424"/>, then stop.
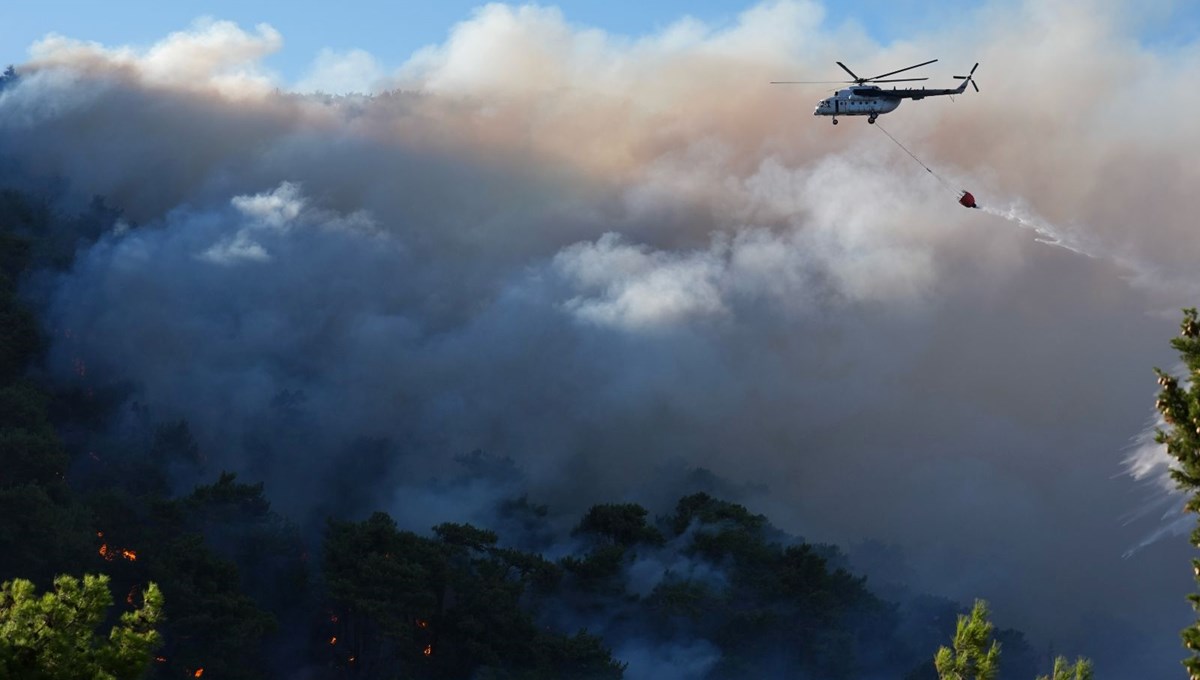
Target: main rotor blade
<point x="974" y="86"/>
<point x="892" y="73"/>
<point x="810" y="82"/>
<point x="896" y="80"/>
<point x="972" y="72"/>
<point x="852" y="74"/>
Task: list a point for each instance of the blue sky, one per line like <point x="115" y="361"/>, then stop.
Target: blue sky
<point x="391" y="31"/>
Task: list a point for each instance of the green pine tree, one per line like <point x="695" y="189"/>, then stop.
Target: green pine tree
<point x="53" y="637"/>
<point x="1065" y="670"/>
<point x="975" y="655"/>
<point x="1180" y="409"/>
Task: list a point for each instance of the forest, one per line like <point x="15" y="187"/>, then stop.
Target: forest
<point x="206" y="580"/>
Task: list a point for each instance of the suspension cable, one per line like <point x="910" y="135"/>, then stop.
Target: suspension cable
<point x="918" y="160"/>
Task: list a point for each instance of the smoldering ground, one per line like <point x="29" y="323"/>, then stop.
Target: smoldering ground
<point x="595" y="254"/>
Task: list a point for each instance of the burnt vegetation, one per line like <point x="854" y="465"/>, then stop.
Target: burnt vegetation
<point x="251" y="594"/>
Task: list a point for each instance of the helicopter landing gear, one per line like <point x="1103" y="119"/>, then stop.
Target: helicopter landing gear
<point x="871" y="120"/>
<point x="835" y="121"/>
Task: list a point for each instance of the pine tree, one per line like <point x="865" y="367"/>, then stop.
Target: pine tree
<point x="1180" y="409"/>
<point x="972" y="657"/>
<point x="53" y="637"/>
<point x="1065" y="670"/>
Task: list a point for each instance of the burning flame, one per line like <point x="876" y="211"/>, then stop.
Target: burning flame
<point x="199" y="672"/>
<point x="111" y="554"/>
<point x="160" y="659"/>
<point x="428" y="650"/>
<point x="422" y="623"/>
<point x="333" y="640"/>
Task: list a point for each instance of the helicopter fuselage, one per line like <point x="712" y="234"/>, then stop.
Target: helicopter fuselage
<point x="862" y="100"/>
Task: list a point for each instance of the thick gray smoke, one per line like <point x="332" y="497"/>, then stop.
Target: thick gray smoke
<point x="613" y="259"/>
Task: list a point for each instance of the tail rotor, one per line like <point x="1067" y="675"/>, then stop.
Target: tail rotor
<point x="970" y="77"/>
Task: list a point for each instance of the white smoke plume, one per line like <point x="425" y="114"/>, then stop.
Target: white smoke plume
<point x="600" y="255"/>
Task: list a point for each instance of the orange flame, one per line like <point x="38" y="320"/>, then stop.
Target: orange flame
<point x="422" y="623"/>
<point x="333" y="640"/>
<point x="428" y="650"/>
<point x="199" y="672"/>
<point x="111" y="554"/>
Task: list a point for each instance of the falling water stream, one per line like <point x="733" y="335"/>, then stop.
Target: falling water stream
<point x="1148" y="461"/>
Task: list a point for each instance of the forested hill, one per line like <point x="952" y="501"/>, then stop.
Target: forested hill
<point x="91" y="482"/>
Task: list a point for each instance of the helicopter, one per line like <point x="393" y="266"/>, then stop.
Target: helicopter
<point x="870" y="100"/>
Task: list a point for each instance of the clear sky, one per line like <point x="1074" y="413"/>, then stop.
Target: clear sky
<point x="392" y="31"/>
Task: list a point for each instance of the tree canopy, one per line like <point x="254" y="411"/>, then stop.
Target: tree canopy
<point x="54" y="636"/>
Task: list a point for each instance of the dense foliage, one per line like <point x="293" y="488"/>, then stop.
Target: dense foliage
<point x="53" y="637"/>
<point x="451" y="606"/>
